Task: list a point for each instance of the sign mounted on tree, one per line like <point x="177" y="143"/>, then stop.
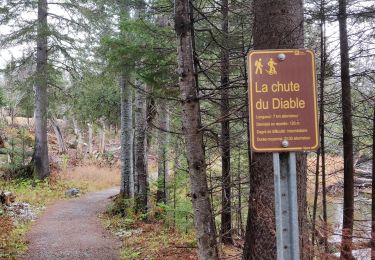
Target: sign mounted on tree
<point x="282" y="101"/>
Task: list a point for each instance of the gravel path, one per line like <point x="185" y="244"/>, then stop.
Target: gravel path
<point x="71" y="230"/>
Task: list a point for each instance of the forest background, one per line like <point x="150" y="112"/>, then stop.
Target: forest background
<point x="105" y="78"/>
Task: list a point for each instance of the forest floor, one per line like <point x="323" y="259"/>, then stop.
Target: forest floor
<point x="71" y="230"/>
<point x="153" y="240"/>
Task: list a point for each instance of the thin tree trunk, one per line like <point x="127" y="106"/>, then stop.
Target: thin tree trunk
<point x="278" y="25"/>
<point x="348" y="210"/>
<point x="249" y="153"/>
<point x="239" y="210"/>
<point x="77" y="132"/>
<point x="12" y="115"/>
<point x="127" y="180"/>
<point x="161" y="195"/>
<point x="315" y="205"/>
<point x="102" y="137"/>
<point x="133" y="176"/>
<point x="141" y="147"/>
<point x="321" y="151"/>
<point x="323" y="60"/>
<point x="226" y="211"/>
<point x="59" y="136"/>
<point x="75" y="126"/>
<point x="79" y="141"/>
<point x="89" y="125"/>
<point x="176" y="161"/>
<point x="203" y="218"/>
<point x="40" y="157"/>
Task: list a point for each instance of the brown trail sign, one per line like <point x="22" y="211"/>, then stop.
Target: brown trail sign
<point x="282" y="101"/>
<point x="283" y="116"/>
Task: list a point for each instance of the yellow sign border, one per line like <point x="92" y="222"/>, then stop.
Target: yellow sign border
<point x="251" y="114"/>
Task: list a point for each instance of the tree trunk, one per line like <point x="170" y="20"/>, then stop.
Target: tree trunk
<point x="176" y="166"/>
<point x="239" y="208"/>
<point x="90" y="138"/>
<point x="78" y="134"/>
<point x="40" y="157"/>
<point x="321" y="151"/>
<point x="323" y="59"/>
<point x="226" y="211"/>
<point x="141" y="147"/>
<point x="191" y="122"/>
<point x="75" y="126"/>
<point x="127" y="179"/>
<point x="315" y="205"/>
<point x="161" y="195"/>
<point x="347" y="226"/>
<point x="373" y="192"/>
<point x="12" y="115"/>
<point x="278" y="25"/>
<point x="59" y="136"/>
<point x="80" y="143"/>
<point x="102" y="137"/>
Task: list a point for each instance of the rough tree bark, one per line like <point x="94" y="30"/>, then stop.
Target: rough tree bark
<point x="141" y="147"/>
<point x="127" y="180"/>
<point x="346" y="96"/>
<point x="191" y="123"/>
<point x="226" y="211"/>
<point x="40" y="157"/>
<point x="278" y="25"/>
<point x="373" y="192"/>
<point x="161" y="195"/>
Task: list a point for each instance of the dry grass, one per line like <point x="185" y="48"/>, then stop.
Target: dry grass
<point x="25" y="122"/>
<point x="157" y="243"/>
<point x="232" y="252"/>
<point x="92" y="177"/>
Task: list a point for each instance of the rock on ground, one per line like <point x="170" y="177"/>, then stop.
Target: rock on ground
<point x="73" y="192"/>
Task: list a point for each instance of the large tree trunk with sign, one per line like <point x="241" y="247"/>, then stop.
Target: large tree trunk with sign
<point x="278" y="25"/>
<point x="203" y="219"/>
<point x="348" y="210"/>
<point x="373" y="192"/>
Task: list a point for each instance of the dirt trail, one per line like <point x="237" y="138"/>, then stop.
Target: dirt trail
<point x="71" y="230"/>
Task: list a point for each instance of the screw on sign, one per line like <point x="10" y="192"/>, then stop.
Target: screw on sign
<point x="283" y="105"/>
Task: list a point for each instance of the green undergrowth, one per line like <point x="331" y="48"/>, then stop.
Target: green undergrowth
<point x="12" y="237"/>
<point x="148" y="236"/>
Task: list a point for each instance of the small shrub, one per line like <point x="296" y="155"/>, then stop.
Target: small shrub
<point x="121" y="207"/>
<point x="6" y="227"/>
<point x="19" y="153"/>
<point x="64" y="162"/>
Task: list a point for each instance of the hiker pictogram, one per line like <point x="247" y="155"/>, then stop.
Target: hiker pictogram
<point x="258" y="66"/>
<point x="271" y="67"/>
